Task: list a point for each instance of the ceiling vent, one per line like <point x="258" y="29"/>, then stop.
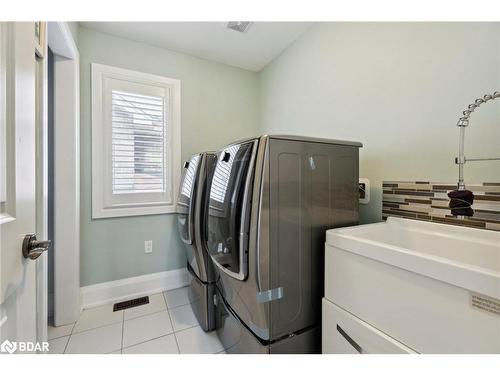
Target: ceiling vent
<point x="239" y="26"/>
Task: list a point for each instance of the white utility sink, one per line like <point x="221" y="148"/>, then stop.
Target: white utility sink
<point x="466" y="257"/>
<point x="411" y="286"/>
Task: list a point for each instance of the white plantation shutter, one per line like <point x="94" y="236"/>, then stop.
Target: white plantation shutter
<point x="138" y="143"/>
<point x="135" y="142"/>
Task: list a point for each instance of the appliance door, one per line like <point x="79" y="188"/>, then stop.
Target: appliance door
<point x="229" y="208"/>
<point x="207" y="272"/>
<point x="186" y="199"/>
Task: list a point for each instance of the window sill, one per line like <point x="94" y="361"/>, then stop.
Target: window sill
<point x="102" y="213"/>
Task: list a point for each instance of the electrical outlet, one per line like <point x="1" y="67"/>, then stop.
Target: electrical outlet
<point x="148" y="246"/>
<point x="364" y="190"/>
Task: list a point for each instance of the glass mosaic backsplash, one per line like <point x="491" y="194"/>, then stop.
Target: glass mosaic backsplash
<point x="423" y="200"/>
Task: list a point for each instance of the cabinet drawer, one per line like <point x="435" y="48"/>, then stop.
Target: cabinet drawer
<point x="343" y="333"/>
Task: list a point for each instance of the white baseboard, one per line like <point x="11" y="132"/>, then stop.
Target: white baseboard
<point x="124" y="289"/>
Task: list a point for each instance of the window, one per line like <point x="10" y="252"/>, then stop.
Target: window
<point x="135" y="142"/>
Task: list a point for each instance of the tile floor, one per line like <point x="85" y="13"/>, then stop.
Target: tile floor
<point x="166" y="325"/>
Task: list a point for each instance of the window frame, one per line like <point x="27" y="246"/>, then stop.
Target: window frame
<point x="132" y="204"/>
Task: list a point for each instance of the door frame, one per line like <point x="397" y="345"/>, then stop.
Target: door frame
<point x="66" y="169"/>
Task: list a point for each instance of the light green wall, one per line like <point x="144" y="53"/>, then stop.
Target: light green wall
<point x="219" y="104"/>
<point x="396" y="87"/>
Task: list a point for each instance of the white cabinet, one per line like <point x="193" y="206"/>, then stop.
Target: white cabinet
<point x="343" y="333"/>
<point x="420" y="313"/>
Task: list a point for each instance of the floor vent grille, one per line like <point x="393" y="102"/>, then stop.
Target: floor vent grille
<point x="239" y="26"/>
<point x="130" y="303"/>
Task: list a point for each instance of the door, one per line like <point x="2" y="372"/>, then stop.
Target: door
<point x="18" y="276"/>
<point x="186" y="199"/>
<point x="228" y="211"/>
<point x="191" y="214"/>
<point x="185" y="213"/>
<point x="207" y="272"/>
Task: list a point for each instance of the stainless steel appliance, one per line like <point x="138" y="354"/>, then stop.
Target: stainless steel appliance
<point x="192" y="211"/>
<point x="271" y="199"/>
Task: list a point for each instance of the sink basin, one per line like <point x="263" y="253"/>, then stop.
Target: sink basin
<point x="465" y="257"/>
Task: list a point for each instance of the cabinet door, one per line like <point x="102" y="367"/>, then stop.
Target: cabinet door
<point x="343" y="333"/>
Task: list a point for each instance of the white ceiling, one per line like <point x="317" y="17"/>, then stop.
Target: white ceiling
<point x="263" y="42"/>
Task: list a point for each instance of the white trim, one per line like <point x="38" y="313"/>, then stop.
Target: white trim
<point x="42" y="192"/>
<point x="120" y="290"/>
<point x="102" y="205"/>
<point x="61" y="40"/>
<point x="66" y="174"/>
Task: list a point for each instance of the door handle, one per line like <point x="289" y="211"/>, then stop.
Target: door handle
<point x="349" y="339"/>
<point x="32" y="248"/>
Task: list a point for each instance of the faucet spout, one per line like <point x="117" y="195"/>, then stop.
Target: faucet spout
<point x="462" y="123"/>
<point x="461" y="200"/>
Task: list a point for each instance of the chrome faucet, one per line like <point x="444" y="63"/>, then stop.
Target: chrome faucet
<point x="462" y="123"/>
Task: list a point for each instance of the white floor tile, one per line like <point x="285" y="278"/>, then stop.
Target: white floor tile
<point x="183" y="317"/>
<point x="177" y="297"/>
<point x="100" y="340"/>
<point x="97" y="317"/>
<point x="57" y="346"/>
<point x="156" y="304"/>
<point x="161" y="345"/>
<point x="146" y="328"/>
<point x="56" y="332"/>
<point x="195" y="340"/>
